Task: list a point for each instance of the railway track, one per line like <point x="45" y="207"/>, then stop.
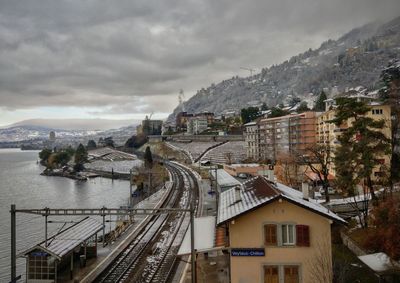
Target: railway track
<point x="150" y="257"/>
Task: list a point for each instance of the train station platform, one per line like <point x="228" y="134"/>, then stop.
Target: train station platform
<point x="107" y="254"/>
<point x="78" y="241"/>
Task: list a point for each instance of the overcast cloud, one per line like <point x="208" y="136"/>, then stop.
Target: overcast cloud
<point x="123" y="57"/>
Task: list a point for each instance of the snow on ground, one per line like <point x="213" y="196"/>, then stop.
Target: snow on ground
<point x="123" y="166"/>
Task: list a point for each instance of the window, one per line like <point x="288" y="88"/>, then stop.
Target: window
<point x="281" y="273"/>
<point x="291" y="274"/>
<point x="377" y="111"/>
<point x="270" y="234"/>
<point x="302" y="235"/>
<point x="288" y="234"/>
<point x="271" y="274"/>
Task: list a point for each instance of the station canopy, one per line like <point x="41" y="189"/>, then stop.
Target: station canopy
<point x="224" y="179"/>
<point x="64" y="242"/>
<point x="204" y="236"/>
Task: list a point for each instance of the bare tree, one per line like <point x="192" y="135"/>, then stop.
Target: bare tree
<point x="288" y="170"/>
<point x="228" y="157"/>
<point x="320" y="265"/>
<point x="318" y="158"/>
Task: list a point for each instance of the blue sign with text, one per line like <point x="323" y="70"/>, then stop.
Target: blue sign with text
<point x="248" y="252"/>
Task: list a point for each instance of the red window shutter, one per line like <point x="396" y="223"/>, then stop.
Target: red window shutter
<point x="270" y="231"/>
<point x="303" y="235"/>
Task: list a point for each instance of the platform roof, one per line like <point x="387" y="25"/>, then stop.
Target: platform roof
<point x="67" y="240"/>
<point x="380" y="263"/>
<point x="259" y="191"/>
<point x="204" y="236"/>
<point x="224" y="179"/>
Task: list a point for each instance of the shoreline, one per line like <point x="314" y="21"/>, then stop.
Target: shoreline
<point x="87" y="174"/>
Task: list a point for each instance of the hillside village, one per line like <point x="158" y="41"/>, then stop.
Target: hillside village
<point x="340" y="154"/>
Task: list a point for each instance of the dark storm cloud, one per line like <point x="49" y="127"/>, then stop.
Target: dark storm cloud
<point x="137" y="54"/>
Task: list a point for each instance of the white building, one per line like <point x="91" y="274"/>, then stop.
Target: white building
<point x="197" y="125"/>
<point x="251" y="136"/>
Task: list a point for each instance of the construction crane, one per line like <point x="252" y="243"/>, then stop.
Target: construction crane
<point x="248" y="69"/>
<point x="181" y="96"/>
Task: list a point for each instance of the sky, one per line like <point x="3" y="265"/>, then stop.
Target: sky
<point x="126" y="59"/>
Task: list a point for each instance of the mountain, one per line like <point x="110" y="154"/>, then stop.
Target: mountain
<point x="75" y="124"/>
<point x="354" y="59"/>
<point x="26" y="133"/>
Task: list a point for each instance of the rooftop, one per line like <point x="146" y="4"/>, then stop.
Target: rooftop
<point x="236" y="165"/>
<point x="67" y="240"/>
<point x="259" y="191"/>
<point x="224" y="179"/>
<point x="380" y="263"/>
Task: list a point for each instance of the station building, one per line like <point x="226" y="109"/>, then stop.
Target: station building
<point x="47" y="260"/>
<point x="275" y="233"/>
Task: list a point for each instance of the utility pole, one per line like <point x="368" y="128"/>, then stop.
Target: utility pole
<point x="130" y="188"/>
<point x="192" y="246"/>
<point x="13" y="244"/>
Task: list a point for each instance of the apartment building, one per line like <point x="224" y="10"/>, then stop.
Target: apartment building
<point x="207" y="115"/>
<point x="196" y="125"/>
<point x="252" y="140"/>
<point x="182" y="119"/>
<point x="275" y="233"/>
<point x="280" y="136"/>
<point x="328" y="133"/>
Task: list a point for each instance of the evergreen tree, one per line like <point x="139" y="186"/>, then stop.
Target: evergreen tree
<point x="320" y="104"/>
<point x="44" y="155"/>
<point x="264" y="107"/>
<point x="91" y="144"/>
<point x="277" y="112"/>
<point x="148" y="158"/>
<point x="361" y="145"/>
<point x="80" y="158"/>
<point x="390" y="94"/>
<point x="303" y="107"/>
<point x="249" y="114"/>
<point x="108" y="141"/>
<point x="62" y="158"/>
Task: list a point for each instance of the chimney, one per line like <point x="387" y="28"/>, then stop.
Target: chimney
<point x="238" y="197"/>
<point x="304" y="189"/>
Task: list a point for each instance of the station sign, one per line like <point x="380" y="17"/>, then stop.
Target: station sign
<point x="39" y="254"/>
<point x="248" y="252"/>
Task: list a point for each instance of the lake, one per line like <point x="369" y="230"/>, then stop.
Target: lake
<point x="22" y="184"/>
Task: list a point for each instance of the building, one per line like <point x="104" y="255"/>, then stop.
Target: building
<point x="46" y="260"/>
<point x="151" y="127"/>
<point x="223" y="180"/>
<point x="181" y="120"/>
<point x="250" y="169"/>
<point x="281" y="136"/>
<point x="52" y="136"/>
<point x="207" y="115"/>
<point x="252" y="140"/>
<point x="275" y="233"/>
<point x="196" y="125"/>
<point x="328" y="133"/>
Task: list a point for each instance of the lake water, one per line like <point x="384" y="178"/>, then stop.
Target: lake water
<point x="22" y="184"/>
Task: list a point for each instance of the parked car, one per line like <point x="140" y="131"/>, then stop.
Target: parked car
<point x="242" y="176"/>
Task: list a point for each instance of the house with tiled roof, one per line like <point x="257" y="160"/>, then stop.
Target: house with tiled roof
<point x="276" y="234"/>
